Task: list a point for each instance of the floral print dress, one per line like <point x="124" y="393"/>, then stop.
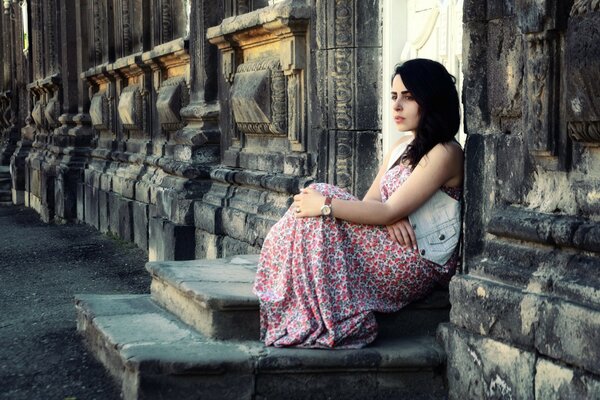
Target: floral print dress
<point x="320" y="280"/>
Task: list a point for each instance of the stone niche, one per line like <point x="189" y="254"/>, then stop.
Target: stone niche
<point x="264" y="60"/>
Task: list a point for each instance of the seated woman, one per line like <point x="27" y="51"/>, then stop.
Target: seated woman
<point x="333" y="260"/>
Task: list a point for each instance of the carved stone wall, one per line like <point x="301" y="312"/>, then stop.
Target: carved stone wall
<point x="525" y="311"/>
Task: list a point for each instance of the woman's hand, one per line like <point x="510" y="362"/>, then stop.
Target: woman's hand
<point x="403" y="233"/>
<point x="308" y="203"/>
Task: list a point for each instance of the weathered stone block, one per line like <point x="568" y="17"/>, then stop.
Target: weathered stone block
<point x="208" y="245"/>
<point x="121" y="216"/>
<point x="496" y="9"/>
<point x="103" y="211"/>
<point x="299" y="386"/>
<point x="474" y="10"/>
<point x="475" y="45"/>
<point x="257" y="229"/>
<point x="80" y="202"/>
<point x="495" y="310"/>
<point x="234" y="222"/>
<point x="142" y="192"/>
<point x="140" y="224"/>
<point x="208" y="218"/>
<point x="570" y="333"/>
<point x="130" y="108"/>
<point x="554" y="381"/>
<point x="91" y="206"/>
<point x="481" y="368"/>
<point x="168" y="241"/>
<point x="233" y="247"/>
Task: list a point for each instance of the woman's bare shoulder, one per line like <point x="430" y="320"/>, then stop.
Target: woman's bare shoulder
<point x="450" y="151"/>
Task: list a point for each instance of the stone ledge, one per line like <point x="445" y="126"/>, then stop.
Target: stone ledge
<point x="152" y="354"/>
<point x="550" y="229"/>
<point x="216" y="298"/>
<point x="284" y="10"/>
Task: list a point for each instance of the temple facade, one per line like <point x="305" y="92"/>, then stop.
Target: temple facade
<point x="185" y="126"/>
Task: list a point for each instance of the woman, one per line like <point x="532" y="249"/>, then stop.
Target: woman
<point x="333" y="260"/>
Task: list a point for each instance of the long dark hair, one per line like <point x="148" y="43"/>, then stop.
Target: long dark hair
<point x="435" y="92"/>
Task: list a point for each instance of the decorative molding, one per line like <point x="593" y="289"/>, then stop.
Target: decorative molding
<point x="99" y="112"/>
<point x="37" y="54"/>
<point x="342" y="88"/>
<point x="98" y="28"/>
<point x="52" y="111"/>
<point x="131" y="108"/>
<point x="127" y="34"/>
<point x="344" y="22"/>
<point x="584" y="131"/>
<point x="166" y="21"/>
<point x="255" y="113"/>
<point x="541" y="88"/>
<point x="584" y="6"/>
<point x="242" y="7"/>
<point x="38" y="114"/>
<point x="50" y="29"/>
<point x="173" y="95"/>
<point x="344" y="159"/>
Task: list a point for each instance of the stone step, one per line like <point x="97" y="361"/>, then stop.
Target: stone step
<point x="153" y="355"/>
<point x="215" y="297"/>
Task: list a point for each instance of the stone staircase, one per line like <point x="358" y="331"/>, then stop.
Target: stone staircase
<point x="5" y="186"/>
<point x="195" y="337"/>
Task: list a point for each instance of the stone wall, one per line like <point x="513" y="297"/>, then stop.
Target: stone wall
<point x="186" y="127"/>
<point x="525" y="311"/>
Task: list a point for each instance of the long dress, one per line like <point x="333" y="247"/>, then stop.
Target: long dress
<point x="320" y="280"/>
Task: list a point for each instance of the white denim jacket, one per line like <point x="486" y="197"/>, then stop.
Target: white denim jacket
<point x="437" y="227"/>
<point x="436" y="223"/>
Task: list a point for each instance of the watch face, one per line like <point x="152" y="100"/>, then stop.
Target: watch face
<point x="325" y="210"/>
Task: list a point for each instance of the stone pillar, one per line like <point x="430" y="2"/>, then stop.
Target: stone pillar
<point x="524" y="321"/>
<point x="348" y="61"/>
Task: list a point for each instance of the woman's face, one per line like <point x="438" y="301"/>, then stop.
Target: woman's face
<point x="405" y="109"/>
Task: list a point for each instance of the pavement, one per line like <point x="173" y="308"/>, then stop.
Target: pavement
<point x="42" y="267"/>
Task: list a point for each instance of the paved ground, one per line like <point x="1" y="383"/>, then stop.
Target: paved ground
<point x="41" y="267"/>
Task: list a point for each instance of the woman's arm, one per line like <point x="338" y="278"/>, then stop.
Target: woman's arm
<point x="443" y="164"/>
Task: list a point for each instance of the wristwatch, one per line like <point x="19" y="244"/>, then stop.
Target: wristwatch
<point x="326" y="208"/>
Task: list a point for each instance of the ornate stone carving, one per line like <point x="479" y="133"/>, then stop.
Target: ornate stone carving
<point x="131" y="108"/>
<point x="584" y="131"/>
<point x="173" y="95"/>
<point x="98" y="37"/>
<point x="342" y="88"/>
<point x="584" y="6"/>
<point x="541" y="83"/>
<point x="38" y="40"/>
<point x="127" y="35"/>
<point x="259" y="98"/>
<point x="166" y="21"/>
<point x="38" y="113"/>
<point x="50" y="30"/>
<point x="343" y="159"/>
<point x="344" y="20"/>
<point x="52" y="111"/>
<point x="99" y="112"/>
